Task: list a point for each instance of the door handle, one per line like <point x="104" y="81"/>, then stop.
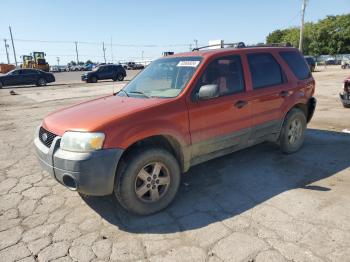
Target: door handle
<point x="284" y="93"/>
<point x="240" y="103"/>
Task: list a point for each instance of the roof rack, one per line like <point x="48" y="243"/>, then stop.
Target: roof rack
<point x="242" y="45"/>
<point x="286" y="44"/>
<point x="222" y="45"/>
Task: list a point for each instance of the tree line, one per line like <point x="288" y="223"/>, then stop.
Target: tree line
<point x="329" y="36"/>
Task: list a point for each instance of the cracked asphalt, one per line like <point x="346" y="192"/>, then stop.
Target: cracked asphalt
<point x="253" y="205"/>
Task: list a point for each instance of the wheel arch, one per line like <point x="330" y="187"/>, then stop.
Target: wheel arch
<point x="166" y="142"/>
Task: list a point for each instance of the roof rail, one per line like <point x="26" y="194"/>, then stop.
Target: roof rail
<point x="234" y="45"/>
<point x="286" y="44"/>
<point x="242" y="45"/>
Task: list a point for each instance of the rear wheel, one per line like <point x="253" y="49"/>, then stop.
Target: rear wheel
<point x="293" y="131"/>
<point x="148" y="181"/>
<point x="41" y="82"/>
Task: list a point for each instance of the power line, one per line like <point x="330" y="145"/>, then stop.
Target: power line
<point x="97" y="43"/>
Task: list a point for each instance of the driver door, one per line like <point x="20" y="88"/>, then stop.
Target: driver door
<point x="221" y="124"/>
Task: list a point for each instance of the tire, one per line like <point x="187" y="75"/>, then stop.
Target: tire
<point x="344" y="105"/>
<point x="293" y="131"/>
<point x="141" y="164"/>
<point x="93" y="79"/>
<point x="1" y="85"/>
<point x="41" y="82"/>
<point x="120" y="77"/>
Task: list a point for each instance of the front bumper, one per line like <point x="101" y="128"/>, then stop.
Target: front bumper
<point x="84" y="78"/>
<point x="345" y="98"/>
<point x="89" y="173"/>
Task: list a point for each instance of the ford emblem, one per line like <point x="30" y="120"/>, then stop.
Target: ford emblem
<point x="44" y="137"/>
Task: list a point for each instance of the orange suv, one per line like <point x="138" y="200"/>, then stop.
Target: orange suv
<point x="182" y="110"/>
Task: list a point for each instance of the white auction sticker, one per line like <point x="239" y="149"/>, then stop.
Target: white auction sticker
<point x="188" y="63"/>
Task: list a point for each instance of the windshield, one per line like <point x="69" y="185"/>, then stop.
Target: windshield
<point x="164" y="78"/>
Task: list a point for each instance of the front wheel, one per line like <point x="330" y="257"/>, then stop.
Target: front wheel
<point x="293" y="131"/>
<point x="93" y="79"/>
<point x="344" y="105"/>
<point x="41" y="82"/>
<point x="147" y="181"/>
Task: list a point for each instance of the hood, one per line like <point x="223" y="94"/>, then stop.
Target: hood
<point x="94" y="114"/>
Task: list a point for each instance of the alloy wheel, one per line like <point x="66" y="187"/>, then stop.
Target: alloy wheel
<point x="295" y="131"/>
<point x="152" y="182"/>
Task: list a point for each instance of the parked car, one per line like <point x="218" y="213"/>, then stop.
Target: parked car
<point x="345" y="63"/>
<point x="133" y="66"/>
<point x="88" y="67"/>
<point x="59" y="68"/>
<point x="332" y="61"/>
<point x="77" y="68"/>
<point x="26" y="77"/>
<point x="311" y="62"/>
<point x="114" y="72"/>
<point x="345" y="96"/>
<point x="180" y="111"/>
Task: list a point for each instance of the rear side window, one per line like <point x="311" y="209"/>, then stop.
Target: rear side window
<point x="297" y="64"/>
<point x="265" y="70"/>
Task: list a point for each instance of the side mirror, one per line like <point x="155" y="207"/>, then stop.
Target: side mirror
<point x="208" y="91"/>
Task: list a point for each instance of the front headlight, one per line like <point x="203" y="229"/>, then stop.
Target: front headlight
<point x="82" y="141"/>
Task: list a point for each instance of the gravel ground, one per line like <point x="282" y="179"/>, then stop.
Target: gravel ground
<point x="253" y="205"/>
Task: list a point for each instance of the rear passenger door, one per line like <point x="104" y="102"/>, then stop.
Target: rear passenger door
<point x="269" y="89"/>
<point x="220" y="123"/>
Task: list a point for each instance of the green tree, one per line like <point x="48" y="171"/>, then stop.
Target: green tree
<point x="330" y="35"/>
<point x="275" y="37"/>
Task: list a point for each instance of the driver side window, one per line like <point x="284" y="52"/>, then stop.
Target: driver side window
<point x="227" y="73"/>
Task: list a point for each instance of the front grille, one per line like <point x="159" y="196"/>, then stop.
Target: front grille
<point x="46" y="137"/>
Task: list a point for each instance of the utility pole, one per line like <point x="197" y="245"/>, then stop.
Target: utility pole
<point x="13" y="46"/>
<point x="195" y="43"/>
<point x="104" y="51"/>
<point x="7" y="52"/>
<point x="303" y="6"/>
<point x="58" y="61"/>
<point x="112" y="50"/>
<point x="76" y="50"/>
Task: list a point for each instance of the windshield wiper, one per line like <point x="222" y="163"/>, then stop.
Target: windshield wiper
<point x="123" y="91"/>
<point x="138" y="92"/>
